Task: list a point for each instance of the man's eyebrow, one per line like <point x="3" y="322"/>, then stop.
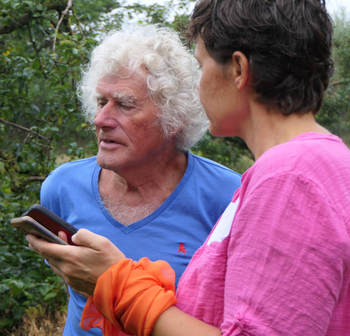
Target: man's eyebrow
<point x="123" y="97"/>
<point x="98" y="95"/>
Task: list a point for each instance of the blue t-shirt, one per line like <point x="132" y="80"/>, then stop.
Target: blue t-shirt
<point x="172" y="233"/>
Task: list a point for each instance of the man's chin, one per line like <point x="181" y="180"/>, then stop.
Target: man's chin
<point x="110" y="162"/>
<point x="106" y="161"/>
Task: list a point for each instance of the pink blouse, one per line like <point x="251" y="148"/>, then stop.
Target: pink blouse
<point x="278" y="260"/>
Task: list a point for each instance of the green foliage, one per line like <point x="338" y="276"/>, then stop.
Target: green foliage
<point x="25" y="280"/>
<point x="227" y="151"/>
<point x="39" y="65"/>
<point x="336" y="107"/>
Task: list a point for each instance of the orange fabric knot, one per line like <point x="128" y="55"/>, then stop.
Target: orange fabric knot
<point x="129" y="298"/>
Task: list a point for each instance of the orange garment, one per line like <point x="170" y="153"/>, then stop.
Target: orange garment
<point x="129" y="298"/>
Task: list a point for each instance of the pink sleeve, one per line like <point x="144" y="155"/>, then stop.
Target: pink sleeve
<point x="285" y="260"/>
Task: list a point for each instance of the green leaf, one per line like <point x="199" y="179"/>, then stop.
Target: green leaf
<point x="49" y="296"/>
<point x="36" y="65"/>
<point x="3" y="249"/>
<point x="6" y="321"/>
<point x="43" y="290"/>
<point x="14" y="5"/>
<point x="3" y="288"/>
<point x="29" y="3"/>
<point x="36" y="108"/>
<point x="66" y="42"/>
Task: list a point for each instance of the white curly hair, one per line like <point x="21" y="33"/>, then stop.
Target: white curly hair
<point x="171" y="75"/>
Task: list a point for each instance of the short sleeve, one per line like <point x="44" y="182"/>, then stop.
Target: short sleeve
<point x="286" y="260"/>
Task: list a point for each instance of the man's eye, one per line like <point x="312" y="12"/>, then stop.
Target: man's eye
<point x="124" y="106"/>
<point x="101" y="103"/>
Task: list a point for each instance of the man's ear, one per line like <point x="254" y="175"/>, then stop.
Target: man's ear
<point x="240" y="69"/>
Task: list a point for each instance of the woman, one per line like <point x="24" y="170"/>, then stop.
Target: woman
<point x="278" y="260"/>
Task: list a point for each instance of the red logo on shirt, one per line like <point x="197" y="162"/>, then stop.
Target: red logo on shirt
<point x="182" y="248"/>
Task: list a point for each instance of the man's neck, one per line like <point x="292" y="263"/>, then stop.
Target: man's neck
<point x="167" y="171"/>
<point x="144" y="190"/>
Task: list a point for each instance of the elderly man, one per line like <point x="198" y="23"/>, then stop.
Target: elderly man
<point x="143" y="190"/>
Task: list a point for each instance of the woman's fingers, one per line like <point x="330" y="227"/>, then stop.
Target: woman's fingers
<point x="80" y="266"/>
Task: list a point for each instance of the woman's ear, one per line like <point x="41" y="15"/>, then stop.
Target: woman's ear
<point x="240" y="69"/>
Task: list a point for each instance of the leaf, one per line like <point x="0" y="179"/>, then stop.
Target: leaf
<point x="44" y="289"/>
<point x="14" y="5"/>
<point x="3" y="249"/>
<point x="20" y="86"/>
<point x="50" y="295"/>
<point x="29" y="3"/>
<point x="3" y="288"/>
<point x="6" y="321"/>
<point x="36" y="65"/>
<point x="36" y="108"/>
<point x="17" y="286"/>
<point x="66" y="42"/>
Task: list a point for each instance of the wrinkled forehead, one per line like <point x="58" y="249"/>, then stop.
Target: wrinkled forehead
<point x="125" y="77"/>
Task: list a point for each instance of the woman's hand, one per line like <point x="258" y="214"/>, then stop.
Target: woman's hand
<point x="80" y="266"/>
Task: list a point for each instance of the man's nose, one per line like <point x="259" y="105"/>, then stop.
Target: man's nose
<point x="106" y="117"/>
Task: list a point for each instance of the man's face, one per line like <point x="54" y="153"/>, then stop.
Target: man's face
<point x="126" y="123"/>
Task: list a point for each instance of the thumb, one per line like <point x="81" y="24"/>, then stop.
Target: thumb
<point x="87" y="238"/>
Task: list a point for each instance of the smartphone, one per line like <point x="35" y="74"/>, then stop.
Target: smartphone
<point x="51" y="221"/>
<point x="28" y="225"/>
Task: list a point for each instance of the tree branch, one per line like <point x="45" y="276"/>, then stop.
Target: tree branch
<point x="337" y="83"/>
<point x="36" y="50"/>
<point x="16" y="24"/>
<point x="3" y="155"/>
<point x="64" y="13"/>
<point x="25" y="18"/>
<point x="82" y="32"/>
<point x="36" y="178"/>
<point x="24" y="129"/>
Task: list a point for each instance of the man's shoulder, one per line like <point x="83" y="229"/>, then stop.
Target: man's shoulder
<point x="67" y="175"/>
<point x="210" y="166"/>
<point x="74" y="168"/>
<point x="76" y="165"/>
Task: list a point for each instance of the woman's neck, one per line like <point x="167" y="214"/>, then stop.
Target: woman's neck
<point x="269" y="129"/>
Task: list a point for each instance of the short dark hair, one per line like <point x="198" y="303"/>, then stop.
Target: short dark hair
<point x="288" y="44"/>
